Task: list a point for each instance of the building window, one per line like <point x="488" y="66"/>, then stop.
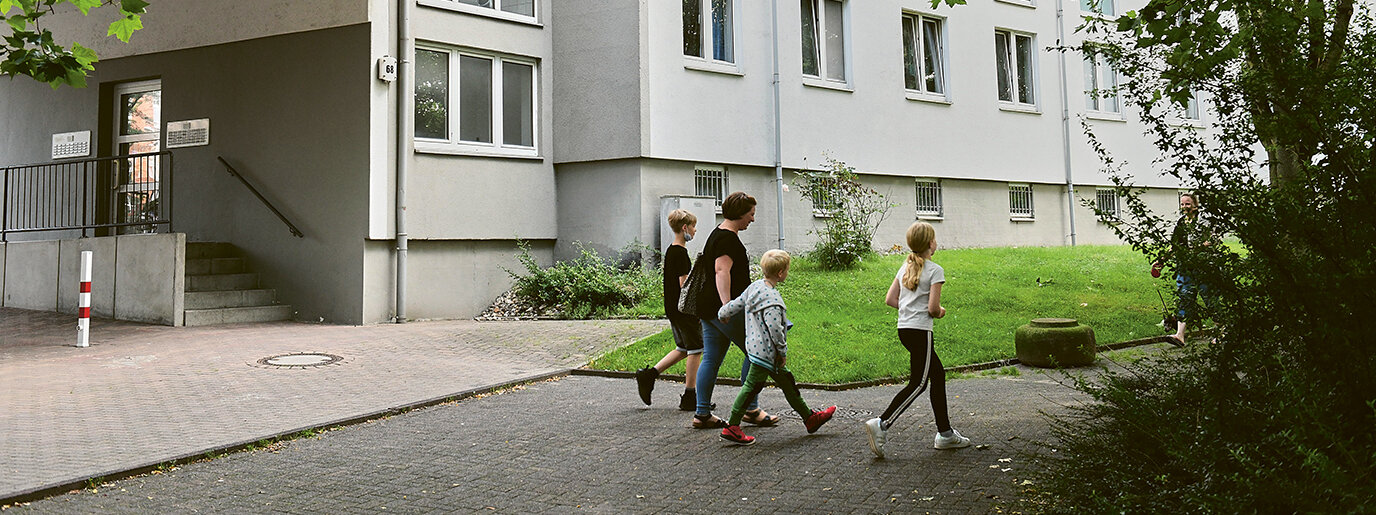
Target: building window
<point x="711" y="181"/>
<point x="715" y="33"/>
<point x="929" y="198"/>
<point x="923" y="53"/>
<point x="824" y="38"/>
<point x="1102" y="7"/>
<point x="1020" y="201"/>
<point x="1101" y="85"/>
<point x="472" y="101"/>
<point x="826" y="197"/>
<point x="1106" y="201"/>
<point x="1015" y="54"/>
<point x="520" y="7"/>
<point x="1192" y="107"/>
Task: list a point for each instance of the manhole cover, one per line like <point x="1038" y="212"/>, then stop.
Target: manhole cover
<point x="300" y="360"/>
<point x="842" y="413"/>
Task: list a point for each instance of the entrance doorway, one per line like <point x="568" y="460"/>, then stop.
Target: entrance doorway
<point x="138" y="136"/>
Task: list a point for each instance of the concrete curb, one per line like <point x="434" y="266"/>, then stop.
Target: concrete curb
<point x="974" y="367"/>
<point x="61" y="487"/>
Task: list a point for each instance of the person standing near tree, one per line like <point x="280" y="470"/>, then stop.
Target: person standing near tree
<point x="731" y="275"/>
<point x="1191" y="234"/>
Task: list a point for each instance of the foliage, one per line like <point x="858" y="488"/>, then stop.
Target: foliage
<point x="586" y="287"/>
<point x="845" y="333"/>
<point x="852" y="213"/>
<point x="30" y="51"/>
<point x="1276" y="415"/>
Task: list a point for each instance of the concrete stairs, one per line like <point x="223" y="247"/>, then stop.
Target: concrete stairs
<point x="220" y="289"/>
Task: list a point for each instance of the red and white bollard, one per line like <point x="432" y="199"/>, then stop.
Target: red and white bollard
<point x="83" y="323"/>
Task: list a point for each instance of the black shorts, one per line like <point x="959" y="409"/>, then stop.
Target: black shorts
<point x="687" y="334"/>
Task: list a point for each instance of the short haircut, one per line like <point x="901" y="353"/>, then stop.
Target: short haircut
<point x="774" y="261"/>
<point x="680" y="218"/>
<point x="736" y="205"/>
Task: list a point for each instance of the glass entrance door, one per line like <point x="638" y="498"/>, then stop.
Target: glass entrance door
<point x="138" y="135"/>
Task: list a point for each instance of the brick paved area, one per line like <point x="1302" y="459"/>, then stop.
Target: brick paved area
<point x="586" y="444"/>
<point x="143" y="394"/>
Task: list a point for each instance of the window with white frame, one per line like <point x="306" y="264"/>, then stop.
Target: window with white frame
<point x="521" y="7"/>
<point x="1106" y="201"/>
<point x="1020" y="201"/>
<point x="929" y="198"/>
<point x="924" y="49"/>
<point x="473" y="101"/>
<point x="711" y="181"/>
<point x="1015" y="56"/>
<point x="824" y="38"/>
<point x="1101" y="85"/>
<point x="708" y="30"/>
<point x="1102" y="7"/>
<point x="1192" y="107"/>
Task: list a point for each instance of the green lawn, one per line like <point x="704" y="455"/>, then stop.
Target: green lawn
<point x="844" y="332"/>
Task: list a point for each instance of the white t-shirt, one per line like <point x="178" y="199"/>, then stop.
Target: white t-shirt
<point x="912" y="304"/>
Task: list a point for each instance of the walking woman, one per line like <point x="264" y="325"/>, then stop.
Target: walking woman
<point x="916" y="293"/>
<point x="732" y="275"/>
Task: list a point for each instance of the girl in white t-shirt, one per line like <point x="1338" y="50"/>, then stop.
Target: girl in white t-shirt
<point x="916" y="293"/>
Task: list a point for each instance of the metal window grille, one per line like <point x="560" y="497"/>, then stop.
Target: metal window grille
<point x="711" y="181"/>
<point x="1020" y="200"/>
<point x="929" y="197"/>
<point x="825" y="199"/>
<point x="1107" y="202"/>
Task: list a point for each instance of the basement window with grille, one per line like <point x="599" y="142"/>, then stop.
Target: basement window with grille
<point x="711" y="181"/>
<point x="1020" y="202"/>
<point x="1106" y="200"/>
<point x="929" y="199"/>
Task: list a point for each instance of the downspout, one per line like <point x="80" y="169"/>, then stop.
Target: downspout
<point x="1065" y="118"/>
<point x="778" y="130"/>
<point x="405" y="47"/>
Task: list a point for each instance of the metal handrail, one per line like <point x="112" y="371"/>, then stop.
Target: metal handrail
<point x="294" y="231"/>
<point x="83" y="194"/>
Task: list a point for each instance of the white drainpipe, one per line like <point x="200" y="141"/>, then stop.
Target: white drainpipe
<point x="778" y="131"/>
<point x="404" y="122"/>
<point x="1065" y="118"/>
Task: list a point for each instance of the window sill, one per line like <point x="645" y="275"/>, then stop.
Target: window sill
<point x="1021" y="219"/>
<point x="1106" y="116"/>
<point x="451" y="5"/>
<point x="917" y="96"/>
<point x="455" y="150"/>
<point x="703" y="65"/>
<point x="1020" y="3"/>
<point x="814" y="82"/>
<point x="818" y="213"/>
<point x="1189" y="124"/>
<point x="931" y="218"/>
<point x="1019" y="108"/>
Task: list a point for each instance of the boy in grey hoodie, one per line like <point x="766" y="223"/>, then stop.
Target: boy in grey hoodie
<point x="766" y="346"/>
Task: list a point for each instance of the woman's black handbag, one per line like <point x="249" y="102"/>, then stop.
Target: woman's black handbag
<point x="693" y="288"/>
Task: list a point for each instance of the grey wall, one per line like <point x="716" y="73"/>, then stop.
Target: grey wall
<point x="597" y="65"/>
<point x="601" y="204"/>
<point x="138" y="277"/>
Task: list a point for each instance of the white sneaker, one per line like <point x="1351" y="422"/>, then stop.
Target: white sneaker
<point x="874" y="430"/>
<point x="955" y="441"/>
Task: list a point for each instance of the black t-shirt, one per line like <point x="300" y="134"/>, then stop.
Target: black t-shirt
<point x="676" y="264"/>
<point x="723" y="243"/>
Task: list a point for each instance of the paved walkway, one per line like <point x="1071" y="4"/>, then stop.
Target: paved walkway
<point x="142" y="394"/>
<point x="145" y="394"/>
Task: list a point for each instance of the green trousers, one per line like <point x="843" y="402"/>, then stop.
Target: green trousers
<point x="754" y="382"/>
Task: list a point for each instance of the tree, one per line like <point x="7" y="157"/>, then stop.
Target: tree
<point x="30" y="50"/>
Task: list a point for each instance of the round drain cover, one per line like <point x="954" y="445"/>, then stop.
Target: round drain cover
<point x="300" y="360"/>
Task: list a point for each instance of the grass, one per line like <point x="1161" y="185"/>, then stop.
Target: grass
<point x="844" y="332"/>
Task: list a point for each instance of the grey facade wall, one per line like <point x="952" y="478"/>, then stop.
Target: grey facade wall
<point x="138" y="277"/>
<point x="598" y="68"/>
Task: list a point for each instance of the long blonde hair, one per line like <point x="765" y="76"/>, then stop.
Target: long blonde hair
<point x="920" y="236"/>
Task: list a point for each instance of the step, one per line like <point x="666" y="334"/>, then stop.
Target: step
<point x="217" y="282"/>
<point x="274" y="313"/>
<point x="206" y="266"/>
<point x="230" y="298"/>
<point x="210" y="249"/>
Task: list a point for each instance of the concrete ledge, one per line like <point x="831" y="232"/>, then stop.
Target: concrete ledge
<point x="102" y="275"/>
<point x="31" y="275"/>
<point x="134" y="277"/>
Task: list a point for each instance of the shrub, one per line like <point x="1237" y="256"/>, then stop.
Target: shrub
<point x="852" y="214"/>
<point x="586" y="287"/>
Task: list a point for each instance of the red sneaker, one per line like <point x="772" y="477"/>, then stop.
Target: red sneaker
<point x="734" y="435"/>
<point x="817" y="418"/>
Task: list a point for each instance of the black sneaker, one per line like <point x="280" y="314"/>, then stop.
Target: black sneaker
<point x="688" y="402"/>
<point x="645" y="383"/>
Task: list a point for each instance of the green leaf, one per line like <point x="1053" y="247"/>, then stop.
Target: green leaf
<point x="124" y="27"/>
<point x="5" y="6"/>
<point x="85" y="5"/>
<point x="18" y="22"/>
<point x="84" y="55"/>
<point x="132" y="6"/>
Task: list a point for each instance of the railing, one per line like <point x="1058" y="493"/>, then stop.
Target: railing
<point x="123" y="194"/>
<point x="294" y="231"/>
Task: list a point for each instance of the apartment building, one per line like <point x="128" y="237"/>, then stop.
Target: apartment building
<point x="562" y="121"/>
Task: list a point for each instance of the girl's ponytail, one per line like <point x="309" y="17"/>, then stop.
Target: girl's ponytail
<point x="920" y="238"/>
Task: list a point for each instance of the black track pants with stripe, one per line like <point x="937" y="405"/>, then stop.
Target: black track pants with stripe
<point x="925" y="366"/>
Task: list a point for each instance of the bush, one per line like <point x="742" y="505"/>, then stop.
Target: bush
<point x="586" y="287"/>
<point x="852" y="213"/>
